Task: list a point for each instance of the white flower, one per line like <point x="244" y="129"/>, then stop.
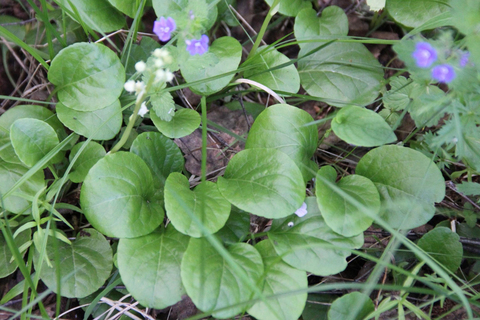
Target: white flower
<point x="160" y="75"/>
<point x="143" y="110"/>
<point x="168" y="76"/>
<point x="140" y="66"/>
<point x="290" y="224"/>
<point x="302" y="211"/>
<point x="159" y="63"/>
<point x="163" y="55"/>
<point x="139" y="87"/>
<point x="129" y="86"/>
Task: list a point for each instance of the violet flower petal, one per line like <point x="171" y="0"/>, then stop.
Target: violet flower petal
<point x="443" y="73"/>
<point x="425" y="55"/>
<point x="199" y="46"/>
<point x="164" y="27"/>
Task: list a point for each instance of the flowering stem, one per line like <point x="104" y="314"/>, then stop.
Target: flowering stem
<point x="270" y="14"/>
<point x="204" y="138"/>
<point x="133" y="118"/>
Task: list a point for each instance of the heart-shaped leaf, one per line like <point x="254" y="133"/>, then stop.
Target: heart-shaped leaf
<point x="340" y="215"/>
<point x="281" y="79"/>
<point x="408" y="183"/>
<point x="444" y="246"/>
<point x="85" y="265"/>
<point x="89" y="156"/>
<point x="265" y="182"/>
<point x="10" y="174"/>
<point x="362" y="127"/>
<point x="89" y="76"/>
<point x="353" y="305"/>
<point x="150" y="267"/>
<point x="291" y="7"/>
<point x="32" y="139"/>
<point x="102" y="124"/>
<point x="310" y="244"/>
<point x="414" y="13"/>
<point x="186" y="208"/>
<point x="279" y="278"/>
<point x="118" y="197"/>
<point x="236" y="228"/>
<point x="287" y="129"/>
<point x="161" y="155"/>
<point x="222" y="56"/>
<point x="126" y="6"/>
<point x="340" y="73"/>
<point x="308" y="26"/>
<point x="212" y="283"/>
<point x="184" y="122"/>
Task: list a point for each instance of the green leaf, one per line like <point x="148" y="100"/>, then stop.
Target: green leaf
<point x="414" y="13"/>
<point x="128" y="7"/>
<point x="310" y="244"/>
<point x="279" y="278"/>
<point x="399" y="96"/>
<point x="287" y="129"/>
<point x="353" y="305"/>
<point x="265" y="182"/>
<point x="182" y="205"/>
<point x="11" y="173"/>
<point x="222" y="56"/>
<point x="281" y="79"/>
<point x="340" y="73"/>
<point x="204" y="12"/>
<point x="362" y="127"/>
<point x="465" y="15"/>
<point x="469" y="188"/>
<point x="308" y="26"/>
<point x="88" y="76"/>
<point x="89" y="156"/>
<point x="32" y="139"/>
<point x="291" y="7"/>
<point x="102" y="124"/>
<point x="150" y="267"/>
<point x="118" y="197"/>
<point x="317" y="306"/>
<point x="13" y="25"/>
<point x="161" y="155"/>
<point x="85" y="265"/>
<point x="210" y="281"/>
<point x="444" y="246"/>
<point x="97" y="14"/>
<point x="236" y="228"/>
<point x="343" y="217"/>
<point x="182" y="124"/>
<point x="408" y="182"/>
<point x="163" y="105"/>
<point x="7" y="266"/>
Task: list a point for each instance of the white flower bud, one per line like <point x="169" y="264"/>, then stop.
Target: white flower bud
<point x="159" y="75"/>
<point x="143" y="110"/>
<point x="140" y="66"/>
<point x="159" y="63"/>
<point x="139" y="86"/>
<point x="168" y="76"/>
<point x="129" y="86"/>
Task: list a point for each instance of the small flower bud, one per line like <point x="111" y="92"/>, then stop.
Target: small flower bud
<point x="302" y="210"/>
<point x="129" y="86"/>
<point x="159" y="63"/>
<point x="143" y="110"/>
<point x="140" y="66"/>
<point x="139" y="87"/>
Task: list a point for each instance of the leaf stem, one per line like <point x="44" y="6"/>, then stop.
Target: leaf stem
<point x="204" y="138"/>
<point x="270" y="14"/>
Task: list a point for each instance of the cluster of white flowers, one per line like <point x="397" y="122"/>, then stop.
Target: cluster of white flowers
<point x="161" y="58"/>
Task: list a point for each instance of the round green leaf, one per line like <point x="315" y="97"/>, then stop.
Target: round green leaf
<point x="310" y="244"/>
<point x="118" y="197"/>
<point x="265" y="182"/>
<point x="414" y="13"/>
<point x="161" y="155"/>
<point x="10" y="174"/>
<point x="150" y="267"/>
<point x="282" y="79"/>
<point x="291" y="7"/>
<point x="7" y="267"/>
<point x="444" y="246"/>
<point x="286" y="128"/>
<point x="279" y="278"/>
<point x="204" y="12"/>
<point x="340" y="73"/>
<point x="97" y="14"/>
<point x="211" y="282"/>
<point x="308" y="26"/>
<point x="222" y="56"/>
<point x="182" y="124"/>
<point x="354" y="306"/>
<point x="344" y="218"/>
<point x="89" y="156"/>
<point x="102" y="124"/>
<point x="32" y="139"/>
<point x="362" y="127"/>
<point x="126" y="6"/>
<point x="89" y="76"/>
<point x="182" y="205"/>
<point x="408" y="182"/>
<point x="85" y="265"/>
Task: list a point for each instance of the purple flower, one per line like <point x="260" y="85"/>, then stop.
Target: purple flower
<point x="443" y="73"/>
<point x="199" y="46"/>
<point x="164" y="28"/>
<point x="424" y="54"/>
<point x="464" y="59"/>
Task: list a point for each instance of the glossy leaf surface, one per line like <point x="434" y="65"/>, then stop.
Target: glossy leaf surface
<point x="354" y="305"/>
<point x="414" y="13"/>
<point x="86" y="160"/>
<point x="291" y="7"/>
<point x="444" y="246"/>
<point x="184" y="122"/>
